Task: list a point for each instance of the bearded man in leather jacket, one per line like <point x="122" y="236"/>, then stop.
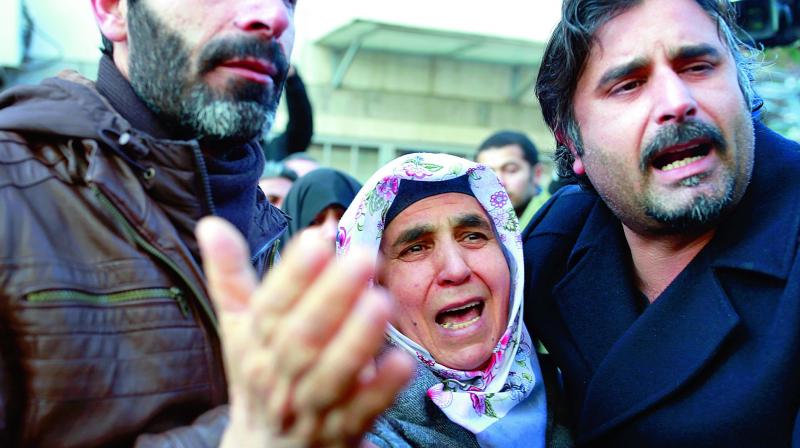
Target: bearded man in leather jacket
<point x="109" y="336"/>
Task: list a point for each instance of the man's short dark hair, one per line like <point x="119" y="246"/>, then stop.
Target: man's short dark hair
<point x="568" y="50"/>
<point x="505" y="138"/>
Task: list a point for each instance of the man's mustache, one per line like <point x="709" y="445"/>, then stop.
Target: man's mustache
<point x="220" y="51"/>
<point x="678" y="134"/>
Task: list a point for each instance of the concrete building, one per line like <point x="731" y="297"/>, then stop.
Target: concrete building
<point x="385" y="78"/>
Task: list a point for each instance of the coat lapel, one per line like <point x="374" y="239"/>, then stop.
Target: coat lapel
<point x="636" y="362"/>
<point x="686" y="326"/>
<point x="597" y="304"/>
<point x="673" y="339"/>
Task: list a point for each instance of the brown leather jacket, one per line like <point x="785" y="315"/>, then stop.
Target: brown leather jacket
<point x="107" y="329"/>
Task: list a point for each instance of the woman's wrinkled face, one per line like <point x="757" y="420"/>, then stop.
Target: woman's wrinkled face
<point x="450" y="281"/>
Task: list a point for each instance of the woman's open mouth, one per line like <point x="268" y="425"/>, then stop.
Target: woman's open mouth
<point x="461" y="316"/>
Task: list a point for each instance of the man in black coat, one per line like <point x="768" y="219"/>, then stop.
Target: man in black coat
<point x="667" y="288"/>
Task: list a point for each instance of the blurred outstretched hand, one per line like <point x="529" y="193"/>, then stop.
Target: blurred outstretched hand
<point x="300" y="346"/>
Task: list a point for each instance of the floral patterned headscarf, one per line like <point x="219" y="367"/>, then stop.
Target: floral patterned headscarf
<point x="502" y="404"/>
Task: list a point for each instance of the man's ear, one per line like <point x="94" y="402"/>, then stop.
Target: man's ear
<point x="111" y="19"/>
<point x="537" y="174"/>
<point x="577" y="165"/>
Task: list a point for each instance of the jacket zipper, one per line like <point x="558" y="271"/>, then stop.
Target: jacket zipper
<point x="117" y="297"/>
<point x="273" y="255"/>
<point x="149" y="248"/>
<point x="205" y="182"/>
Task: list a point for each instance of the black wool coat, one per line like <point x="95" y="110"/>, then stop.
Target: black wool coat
<point x="715" y="360"/>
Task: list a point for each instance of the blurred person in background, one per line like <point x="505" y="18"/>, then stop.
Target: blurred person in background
<point x="513" y="156"/>
<point x="301" y="163"/>
<point x="300" y="123"/>
<point x="275" y="182"/>
<point x="446" y="242"/>
<point x="109" y="335"/>
<point x="318" y="200"/>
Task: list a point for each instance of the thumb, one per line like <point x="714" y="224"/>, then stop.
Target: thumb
<point x="231" y="279"/>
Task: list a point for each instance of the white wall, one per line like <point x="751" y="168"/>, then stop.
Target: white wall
<point x="10" y="33"/>
<point x="518" y="19"/>
<point x="381" y="98"/>
<point x="65" y="36"/>
<point x="66" y="28"/>
<point x="63" y="29"/>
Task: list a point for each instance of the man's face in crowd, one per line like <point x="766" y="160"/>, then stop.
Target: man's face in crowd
<point x="448" y="276"/>
<point x="275" y="189"/>
<point x="668" y="138"/>
<point x="516" y="174"/>
<point x="301" y="166"/>
<point x="213" y="67"/>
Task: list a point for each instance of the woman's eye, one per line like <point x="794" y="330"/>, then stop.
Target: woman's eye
<point x="412" y="250"/>
<point x="475" y="237"/>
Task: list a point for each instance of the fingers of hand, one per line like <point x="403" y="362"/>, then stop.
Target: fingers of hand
<point x="231" y="279"/>
<point x="395" y="369"/>
<point x="350" y="351"/>
<point x="257" y="382"/>
<point x="301" y="264"/>
<point x="305" y="332"/>
<point x="324" y="342"/>
<point x="353" y="418"/>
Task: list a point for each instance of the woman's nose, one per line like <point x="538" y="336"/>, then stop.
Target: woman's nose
<point x="453" y="269"/>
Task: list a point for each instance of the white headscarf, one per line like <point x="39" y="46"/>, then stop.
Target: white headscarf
<point x="496" y="403"/>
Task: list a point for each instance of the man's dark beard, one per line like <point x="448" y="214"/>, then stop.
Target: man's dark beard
<point x="704" y="211"/>
<point x="701" y="214"/>
<point x="164" y="77"/>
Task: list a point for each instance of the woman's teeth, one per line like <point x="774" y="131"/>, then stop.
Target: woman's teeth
<point x="452" y="326"/>
<point x="461" y="317"/>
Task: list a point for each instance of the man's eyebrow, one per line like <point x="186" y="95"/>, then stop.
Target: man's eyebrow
<point x="471" y="220"/>
<point x="510" y="163"/>
<point x="694" y="51"/>
<point x="413" y="234"/>
<point x="622" y="71"/>
<point x="637" y="64"/>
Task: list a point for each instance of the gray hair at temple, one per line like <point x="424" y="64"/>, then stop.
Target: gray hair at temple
<point x="569" y="48"/>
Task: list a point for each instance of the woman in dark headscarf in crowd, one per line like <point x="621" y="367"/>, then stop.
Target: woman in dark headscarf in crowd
<point x="317" y="200"/>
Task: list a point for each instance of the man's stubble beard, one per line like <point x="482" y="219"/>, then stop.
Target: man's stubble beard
<point x="163" y="75"/>
<point x="704" y="210"/>
<point x="647" y="212"/>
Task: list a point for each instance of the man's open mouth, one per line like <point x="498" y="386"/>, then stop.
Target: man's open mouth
<point x="460" y="316"/>
<point x="680" y="156"/>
